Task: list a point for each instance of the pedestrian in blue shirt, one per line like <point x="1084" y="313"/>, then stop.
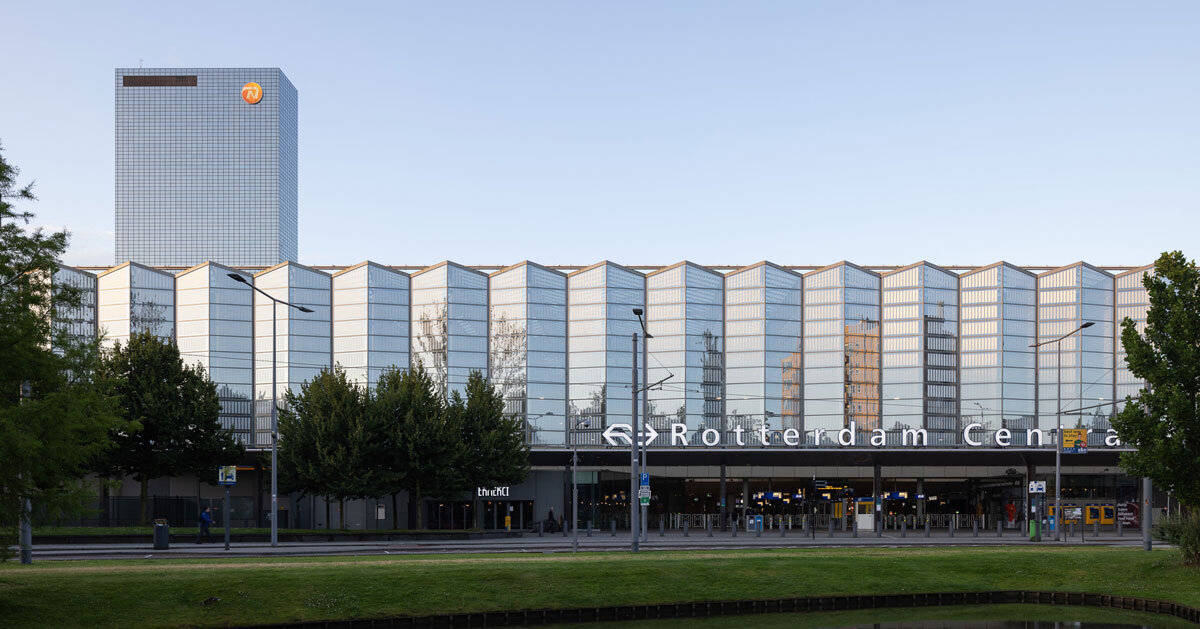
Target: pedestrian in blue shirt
<point x="205" y="522"/>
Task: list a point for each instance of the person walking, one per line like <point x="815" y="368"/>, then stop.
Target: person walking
<point x="205" y="522"/>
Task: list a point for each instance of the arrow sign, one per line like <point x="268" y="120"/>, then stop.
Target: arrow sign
<point x="650" y="433"/>
<point x="617" y="430"/>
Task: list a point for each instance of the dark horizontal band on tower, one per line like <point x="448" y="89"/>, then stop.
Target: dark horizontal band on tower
<point x="168" y="80"/>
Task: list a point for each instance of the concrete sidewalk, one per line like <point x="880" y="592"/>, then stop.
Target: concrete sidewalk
<point x="557" y="543"/>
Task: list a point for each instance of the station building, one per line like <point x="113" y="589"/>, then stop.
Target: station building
<point x="777" y="390"/>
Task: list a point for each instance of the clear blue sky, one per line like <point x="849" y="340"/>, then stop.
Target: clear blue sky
<point x="649" y="132"/>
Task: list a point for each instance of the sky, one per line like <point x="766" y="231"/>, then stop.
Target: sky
<point x="645" y="133"/>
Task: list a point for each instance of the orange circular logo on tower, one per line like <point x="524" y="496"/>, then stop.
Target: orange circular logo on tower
<point x="252" y="93"/>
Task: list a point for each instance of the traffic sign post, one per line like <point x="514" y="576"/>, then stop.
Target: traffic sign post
<point x="226" y="476"/>
<point x="644" y="494"/>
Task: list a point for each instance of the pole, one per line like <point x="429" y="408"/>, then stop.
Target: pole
<point x="26" y="524"/>
<point x="645" y="413"/>
<point x="723" y="525"/>
<point x="226" y="508"/>
<point x="633" y="456"/>
<point x="1058" y="515"/>
<point x="274" y="433"/>
<point x="1147" y="512"/>
<point x="574" y="492"/>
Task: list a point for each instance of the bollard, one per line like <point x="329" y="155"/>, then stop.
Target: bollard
<point x="589" y="533"/>
<point x="757" y="528"/>
<point x="734" y="528"/>
<point x="999" y="528"/>
<point x="904" y="527"/>
<point x="541" y="527"/>
<point x="782" y="529"/>
<point x="830" y="527"/>
<point x="564" y="527"/>
<point x="614" y="528"/>
<point x="974" y="527"/>
<point x="854" y="526"/>
<point x="686" y="522"/>
<point x="951" y="526"/>
<point x="926" y="526"/>
<point x="879" y="523"/>
<point x="662" y="527"/>
<point x="1072" y="529"/>
<point x="1120" y="529"/>
<point x="708" y="525"/>
<point x="1096" y="528"/>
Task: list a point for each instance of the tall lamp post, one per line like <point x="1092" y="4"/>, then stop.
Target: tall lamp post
<point x="1058" y="514"/>
<point x="274" y="405"/>
<point x="583" y="423"/>
<point x="645" y="398"/>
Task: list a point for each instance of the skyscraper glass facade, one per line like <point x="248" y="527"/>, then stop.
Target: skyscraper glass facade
<point x="203" y="174"/>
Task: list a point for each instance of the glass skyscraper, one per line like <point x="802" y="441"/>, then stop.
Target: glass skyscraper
<point x="206" y="164"/>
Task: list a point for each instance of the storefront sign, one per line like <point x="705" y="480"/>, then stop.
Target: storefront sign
<point x="973" y="435"/>
<point x="491" y="492"/>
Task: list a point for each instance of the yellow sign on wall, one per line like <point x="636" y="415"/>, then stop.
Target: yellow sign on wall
<point x="1074" y="441"/>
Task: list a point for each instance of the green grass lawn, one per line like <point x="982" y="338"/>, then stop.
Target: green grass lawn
<point x="146" y="593"/>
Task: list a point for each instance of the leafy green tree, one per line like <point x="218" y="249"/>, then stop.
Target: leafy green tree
<point x="1163" y="423"/>
<point x="173" y="412"/>
<point x="326" y="441"/>
<point x="55" y="413"/>
<point x="494" y="452"/>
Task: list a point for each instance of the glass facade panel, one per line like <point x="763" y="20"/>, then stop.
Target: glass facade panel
<point x="370" y="321"/>
<point x="78" y="321"/>
<point x="528" y="357"/>
<point x="1132" y="302"/>
<point x="449" y="335"/>
<point x="303" y="340"/>
<point x="133" y="298"/>
<point x="1082" y="397"/>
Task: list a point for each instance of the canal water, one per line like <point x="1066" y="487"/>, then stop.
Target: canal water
<point x="958" y="617"/>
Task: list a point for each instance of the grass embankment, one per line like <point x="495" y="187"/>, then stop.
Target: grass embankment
<point x="145" y="593"/>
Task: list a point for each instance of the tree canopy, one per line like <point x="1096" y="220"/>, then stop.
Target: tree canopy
<point x="55" y="413"/>
<point x="1163" y="423"/>
<point x="172" y="409"/>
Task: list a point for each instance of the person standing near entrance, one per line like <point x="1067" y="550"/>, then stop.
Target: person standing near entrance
<point x="205" y="523"/>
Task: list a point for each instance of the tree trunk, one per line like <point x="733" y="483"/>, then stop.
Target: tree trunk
<point x="106" y="508"/>
<point x="395" y="513"/>
<point x="143" y="491"/>
<point x="342" y="513"/>
<point x="327" y="518"/>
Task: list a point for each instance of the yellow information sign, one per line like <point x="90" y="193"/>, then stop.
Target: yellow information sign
<point x="1074" y="441"/>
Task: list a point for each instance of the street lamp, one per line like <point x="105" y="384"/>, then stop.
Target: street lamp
<point x="237" y="277"/>
<point x="583" y="423"/>
<point x="645" y="398"/>
<point x="1058" y="514"/>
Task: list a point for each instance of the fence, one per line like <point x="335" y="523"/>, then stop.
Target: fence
<point x="177" y="511"/>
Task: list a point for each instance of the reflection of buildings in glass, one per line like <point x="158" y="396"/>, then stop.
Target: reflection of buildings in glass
<point x="78" y="319"/>
<point x="920" y="366"/>
<point x="133" y="298"/>
<point x="528" y="341"/>
<point x="601" y="300"/>
<point x="762" y="345"/>
<point x="449" y="323"/>
<point x="1068" y="297"/>
<point x="303" y="339"/>
<point x="841" y="363"/>
<point x="998" y="326"/>
<point x="1133" y="302"/>
<point x="685" y="320"/>
<point x="214" y="317"/>
<point x="370" y="321"/>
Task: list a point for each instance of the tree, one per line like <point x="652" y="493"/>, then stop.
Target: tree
<point x="55" y="413"/>
<point x="173" y="412"/>
<point x="494" y="450"/>
<point x="326" y="441"/>
<point x="1163" y="423"/>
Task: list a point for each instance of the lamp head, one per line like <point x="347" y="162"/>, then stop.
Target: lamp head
<point x="303" y="309"/>
<point x="1087" y="324"/>
<point x="637" y="311"/>
<point x="237" y="277"/>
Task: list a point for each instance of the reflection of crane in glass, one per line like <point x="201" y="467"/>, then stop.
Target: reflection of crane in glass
<point x="432" y="346"/>
<point x="861" y="375"/>
<point x="713" y="381"/>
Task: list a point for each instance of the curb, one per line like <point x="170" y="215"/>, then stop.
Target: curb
<point x="762" y="606"/>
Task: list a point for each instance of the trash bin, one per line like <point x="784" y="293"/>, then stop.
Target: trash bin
<point x="162" y="535"/>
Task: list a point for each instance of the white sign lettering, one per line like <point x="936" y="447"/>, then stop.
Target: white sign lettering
<point x="973" y="435"/>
